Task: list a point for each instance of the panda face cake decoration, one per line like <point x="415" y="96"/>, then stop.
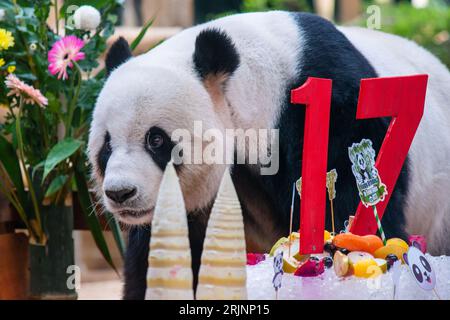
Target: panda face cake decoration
<point x="420" y="268"/>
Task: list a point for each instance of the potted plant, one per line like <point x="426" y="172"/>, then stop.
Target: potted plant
<point x="49" y="81"/>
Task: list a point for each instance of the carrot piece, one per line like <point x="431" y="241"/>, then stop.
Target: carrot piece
<point x="353" y="242"/>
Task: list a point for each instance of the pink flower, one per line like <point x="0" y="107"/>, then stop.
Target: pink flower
<point x="62" y="55"/>
<point x="29" y="94"/>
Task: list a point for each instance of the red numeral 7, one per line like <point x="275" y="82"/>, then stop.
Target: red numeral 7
<point x="403" y="99"/>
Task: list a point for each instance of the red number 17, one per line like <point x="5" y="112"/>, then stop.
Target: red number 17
<point x="402" y="98"/>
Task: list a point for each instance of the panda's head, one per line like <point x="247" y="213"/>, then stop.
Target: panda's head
<point x="141" y="105"/>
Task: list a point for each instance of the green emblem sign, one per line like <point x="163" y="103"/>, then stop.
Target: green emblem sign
<point x="371" y="189"/>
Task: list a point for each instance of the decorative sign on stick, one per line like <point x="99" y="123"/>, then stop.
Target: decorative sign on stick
<point x="371" y="189"/>
<point x="421" y="268"/>
<point x="291" y="218"/>
<point x="331" y="187"/>
<point x="298" y="185"/>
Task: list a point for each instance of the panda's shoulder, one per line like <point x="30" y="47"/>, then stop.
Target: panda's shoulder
<point x="265" y="27"/>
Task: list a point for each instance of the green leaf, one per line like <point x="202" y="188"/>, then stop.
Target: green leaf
<point x="60" y="152"/>
<point x="90" y="216"/>
<point x="10" y="161"/>
<point x="101" y="74"/>
<point x="141" y="34"/>
<point x="56" y="185"/>
<point x="37" y="168"/>
<point x="53" y="103"/>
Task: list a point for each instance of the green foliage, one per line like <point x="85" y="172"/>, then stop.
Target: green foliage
<point x="141" y="34"/>
<point x="60" y="152"/>
<point x="56" y="185"/>
<point x="429" y="27"/>
<point x="91" y="219"/>
<point x="10" y="163"/>
<point x="265" y="5"/>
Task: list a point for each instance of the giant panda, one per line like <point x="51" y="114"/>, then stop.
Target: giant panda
<point x="237" y="72"/>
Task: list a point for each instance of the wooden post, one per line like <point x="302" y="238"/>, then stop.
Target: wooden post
<point x="325" y="8"/>
<point x="168" y="13"/>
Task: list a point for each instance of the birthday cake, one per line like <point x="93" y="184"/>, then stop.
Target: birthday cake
<point x="350" y="267"/>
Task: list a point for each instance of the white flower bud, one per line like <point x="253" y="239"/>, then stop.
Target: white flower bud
<point x="86" y="18"/>
<point x="2" y="14"/>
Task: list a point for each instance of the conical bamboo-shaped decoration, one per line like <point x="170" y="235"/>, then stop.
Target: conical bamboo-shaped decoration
<point x="223" y="273"/>
<point x="169" y="275"/>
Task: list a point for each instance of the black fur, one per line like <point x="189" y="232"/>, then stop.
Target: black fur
<point x="136" y="264"/>
<point x="104" y="154"/>
<point x="329" y="54"/>
<point x="119" y="53"/>
<point x="215" y="54"/>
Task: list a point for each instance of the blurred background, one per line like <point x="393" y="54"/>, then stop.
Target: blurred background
<point x="425" y="21"/>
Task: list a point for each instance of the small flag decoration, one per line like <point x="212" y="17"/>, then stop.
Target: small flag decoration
<point x="331" y="187"/>
<point x="278" y="272"/>
<point x="371" y="189"/>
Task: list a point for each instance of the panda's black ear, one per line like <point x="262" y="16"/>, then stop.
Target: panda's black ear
<point x="119" y="53"/>
<point x="215" y="54"/>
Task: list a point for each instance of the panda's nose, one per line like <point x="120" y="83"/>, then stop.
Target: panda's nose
<point x="122" y="195"/>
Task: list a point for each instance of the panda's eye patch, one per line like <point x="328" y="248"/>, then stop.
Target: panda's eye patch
<point x="159" y="145"/>
<point x="425" y="264"/>
<point x="104" y="154"/>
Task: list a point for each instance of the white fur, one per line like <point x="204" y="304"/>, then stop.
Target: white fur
<point x="160" y="88"/>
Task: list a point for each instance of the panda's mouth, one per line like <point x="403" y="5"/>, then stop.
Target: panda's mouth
<point x="136" y="216"/>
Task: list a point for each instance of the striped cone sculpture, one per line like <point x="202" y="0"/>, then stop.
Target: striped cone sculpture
<point x="169" y="275"/>
<point x="223" y="266"/>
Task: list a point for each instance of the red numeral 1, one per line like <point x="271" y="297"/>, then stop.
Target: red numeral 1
<point x="316" y="95"/>
<point x="403" y="99"/>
